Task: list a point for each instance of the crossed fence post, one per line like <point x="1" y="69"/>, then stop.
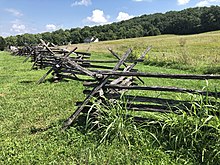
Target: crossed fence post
<point x="55" y="66"/>
<point x="102" y="82"/>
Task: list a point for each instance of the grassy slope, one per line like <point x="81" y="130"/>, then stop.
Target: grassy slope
<point x="199" y="52"/>
<point x="31" y="116"/>
<point x="30" y="122"/>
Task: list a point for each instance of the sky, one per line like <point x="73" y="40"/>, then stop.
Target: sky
<point x="38" y="16"/>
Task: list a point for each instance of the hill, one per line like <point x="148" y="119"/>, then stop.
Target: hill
<point x="188" y="21"/>
<point x="200" y="52"/>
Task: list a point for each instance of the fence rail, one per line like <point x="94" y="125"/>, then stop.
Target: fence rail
<point x="110" y="82"/>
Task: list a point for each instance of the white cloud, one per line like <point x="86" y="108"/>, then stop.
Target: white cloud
<point x="18" y="28"/>
<point x="202" y="3"/>
<point x="15" y="27"/>
<point x="98" y="17"/>
<point x="51" y="27"/>
<point x="82" y="3"/>
<point x="182" y="2"/>
<point x="14" y="12"/>
<point x="207" y="3"/>
<point x="5" y="34"/>
<point x="123" y="16"/>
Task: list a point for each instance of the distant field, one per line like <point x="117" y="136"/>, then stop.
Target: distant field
<point x="200" y="52"/>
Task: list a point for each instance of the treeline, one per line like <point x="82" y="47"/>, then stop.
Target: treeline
<point x="188" y="21"/>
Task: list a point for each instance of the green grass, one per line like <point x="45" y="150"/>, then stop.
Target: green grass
<point x="200" y="52"/>
<point x="31" y="116"/>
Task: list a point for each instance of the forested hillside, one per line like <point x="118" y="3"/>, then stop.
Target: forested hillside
<point x="188" y="21"/>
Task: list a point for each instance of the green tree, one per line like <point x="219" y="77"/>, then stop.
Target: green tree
<point x="60" y="37"/>
<point x="2" y="43"/>
<point x="76" y="36"/>
<point x="210" y="19"/>
<point x="110" y="35"/>
<point x="153" y="31"/>
<point x="11" y="41"/>
<point x="29" y="38"/>
<point x="20" y="41"/>
<point x="47" y="36"/>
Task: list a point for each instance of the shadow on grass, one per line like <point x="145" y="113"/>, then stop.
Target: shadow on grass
<point x="34" y="130"/>
<point x="211" y="70"/>
<point x="79" y="124"/>
<point x="52" y="80"/>
<point x="26" y="82"/>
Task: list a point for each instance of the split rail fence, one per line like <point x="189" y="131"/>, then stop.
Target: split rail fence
<point x="110" y="82"/>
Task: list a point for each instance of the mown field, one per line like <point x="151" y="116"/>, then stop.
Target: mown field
<point x="31" y="115"/>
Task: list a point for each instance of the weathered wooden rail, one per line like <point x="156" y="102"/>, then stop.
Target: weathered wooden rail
<point x="114" y="83"/>
<point x="64" y="66"/>
<point x="105" y="81"/>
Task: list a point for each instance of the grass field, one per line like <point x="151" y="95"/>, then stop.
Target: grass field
<point x="200" y="52"/>
<point x="31" y="115"/>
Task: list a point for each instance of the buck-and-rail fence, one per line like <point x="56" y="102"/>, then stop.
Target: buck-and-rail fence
<point x="103" y="81"/>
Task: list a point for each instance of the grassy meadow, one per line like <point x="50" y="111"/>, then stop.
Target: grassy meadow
<point x="199" y="52"/>
<point x="31" y="115"/>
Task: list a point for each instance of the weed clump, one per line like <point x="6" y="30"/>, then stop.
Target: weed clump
<point x="113" y="122"/>
<point x="193" y="136"/>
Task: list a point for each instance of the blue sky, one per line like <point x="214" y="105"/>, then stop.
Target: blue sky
<point x="37" y="16"/>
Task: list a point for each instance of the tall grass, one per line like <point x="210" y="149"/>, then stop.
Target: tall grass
<point x="113" y="122"/>
<point x="198" y="52"/>
<point x="191" y="138"/>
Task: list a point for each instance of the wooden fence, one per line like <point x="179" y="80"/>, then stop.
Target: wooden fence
<point x="109" y="82"/>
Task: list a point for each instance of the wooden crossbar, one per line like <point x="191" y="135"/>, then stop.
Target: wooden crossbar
<point x="110" y="82"/>
<point x="70" y="120"/>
